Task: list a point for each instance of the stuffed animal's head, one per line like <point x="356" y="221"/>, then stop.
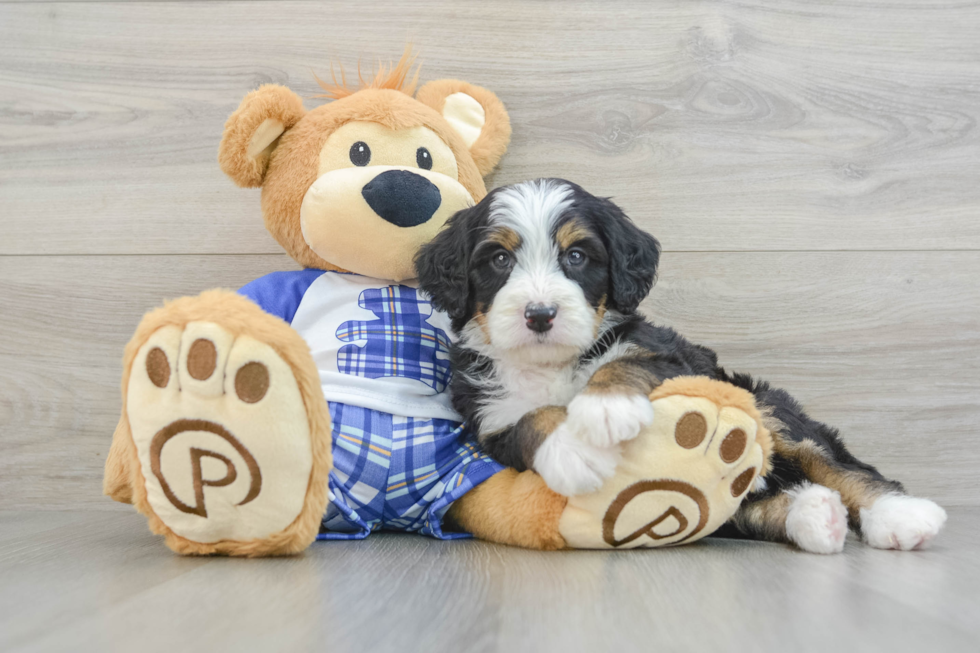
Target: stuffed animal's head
<point x="361" y="183"/>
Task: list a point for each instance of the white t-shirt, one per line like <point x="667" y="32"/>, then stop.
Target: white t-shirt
<point x="376" y="344"/>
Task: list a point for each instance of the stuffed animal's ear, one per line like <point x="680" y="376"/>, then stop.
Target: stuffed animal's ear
<point x="475" y="113"/>
<point x="253" y="131"/>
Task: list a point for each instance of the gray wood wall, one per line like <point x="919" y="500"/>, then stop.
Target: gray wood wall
<point x="811" y="168"/>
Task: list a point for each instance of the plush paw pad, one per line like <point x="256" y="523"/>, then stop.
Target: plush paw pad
<point x="817" y="520"/>
<point x="679" y="479"/>
<point x="896" y="521"/>
<point x="606" y="419"/>
<point x="221" y="433"/>
<point x="570" y="466"/>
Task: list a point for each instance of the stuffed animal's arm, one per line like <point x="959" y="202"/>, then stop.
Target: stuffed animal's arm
<point x="280" y="293"/>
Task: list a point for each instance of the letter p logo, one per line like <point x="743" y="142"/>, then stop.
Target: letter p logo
<point x="194" y="474"/>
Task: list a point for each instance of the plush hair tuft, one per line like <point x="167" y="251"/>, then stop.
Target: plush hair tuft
<point x="391" y="76"/>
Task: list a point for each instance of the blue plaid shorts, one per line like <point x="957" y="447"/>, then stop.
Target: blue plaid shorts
<point x="398" y="473"/>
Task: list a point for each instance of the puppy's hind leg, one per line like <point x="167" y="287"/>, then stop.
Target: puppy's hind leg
<point x="810" y="516"/>
<point x="877" y="507"/>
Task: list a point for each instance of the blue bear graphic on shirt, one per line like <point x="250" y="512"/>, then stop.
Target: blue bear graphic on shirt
<point x="399" y="343"/>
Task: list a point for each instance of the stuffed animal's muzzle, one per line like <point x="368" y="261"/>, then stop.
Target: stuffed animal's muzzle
<point x="372" y="220"/>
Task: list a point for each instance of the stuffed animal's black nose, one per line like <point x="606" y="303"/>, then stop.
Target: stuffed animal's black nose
<point x="402" y="198"/>
<point x="540" y="316"/>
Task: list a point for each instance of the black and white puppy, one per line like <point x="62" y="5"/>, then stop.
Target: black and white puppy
<point x="553" y="365"/>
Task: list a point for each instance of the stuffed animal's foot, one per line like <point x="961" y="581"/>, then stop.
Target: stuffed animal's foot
<point x="897" y="521"/>
<point x="228" y="452"/>
<point x="817" y="520"/>
<point x="682" y="476"/>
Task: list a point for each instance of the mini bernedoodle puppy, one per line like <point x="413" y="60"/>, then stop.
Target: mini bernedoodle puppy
<point x="542" y="281"/>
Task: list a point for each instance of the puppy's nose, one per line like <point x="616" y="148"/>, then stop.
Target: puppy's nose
<point x="540" y="316"/>
<point x="403" y="198"/>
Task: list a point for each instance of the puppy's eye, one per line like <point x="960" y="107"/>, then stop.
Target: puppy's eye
<point x="576" y="257"/>
<point x="501" y="260"/>
<point x="360" y="153"/>
<point x="423" y="158"/>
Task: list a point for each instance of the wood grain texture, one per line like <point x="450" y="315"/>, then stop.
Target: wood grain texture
<point x="101" y="582"/>
<point x="881" y="344"/>
<point x="783" y="153"/>
<point x="723" y="125"/>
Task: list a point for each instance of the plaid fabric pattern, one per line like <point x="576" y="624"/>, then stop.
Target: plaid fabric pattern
<point x="398" y="473"/>
<point x="399" y="343"/>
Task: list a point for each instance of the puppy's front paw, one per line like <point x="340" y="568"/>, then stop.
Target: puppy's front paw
<point x="604" y="420"/>
<point x="896" y="521"/>
<point x="570" y="466"/>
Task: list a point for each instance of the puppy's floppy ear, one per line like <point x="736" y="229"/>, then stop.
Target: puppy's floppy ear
<point x="475" y="113"/>
<point x="253" y="131"/>
<point x="633" y="258"/>
<point x="443" y="264"/>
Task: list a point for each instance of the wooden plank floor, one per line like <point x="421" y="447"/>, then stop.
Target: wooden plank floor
<point x="100" y="582"/>
<point x="811" y="169"/>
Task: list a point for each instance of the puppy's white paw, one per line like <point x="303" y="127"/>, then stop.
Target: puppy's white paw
<point x="896" y="521"/>
<point x="817" y="520"/>
<point x="570" y="466"/>
<point x="604" y="420"/>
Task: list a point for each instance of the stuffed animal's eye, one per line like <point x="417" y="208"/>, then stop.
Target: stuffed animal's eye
<point x="423" y="158"/>
<point x="360" y="153"/>
<point x="576" y="257"/>
<point x="501" y="260"/>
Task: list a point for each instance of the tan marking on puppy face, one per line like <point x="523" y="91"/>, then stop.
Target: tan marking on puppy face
<point x="506" y="238"/>
<point x="570" y="233"/>
<point x="480" y="315"/>
<point x="600" y="313"/>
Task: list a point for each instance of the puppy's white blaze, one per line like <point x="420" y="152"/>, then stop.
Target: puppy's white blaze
<point x="897" y="521"/>
<point x="531" y="210"/>
<point x="817" y="520"/>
